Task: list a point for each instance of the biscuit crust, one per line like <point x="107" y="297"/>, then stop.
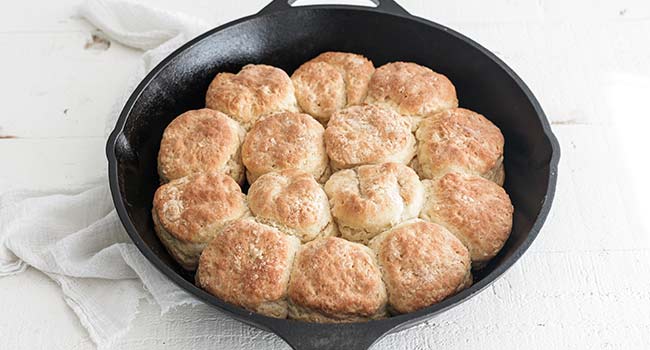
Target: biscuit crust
<point x="201" y="141"/>
<point x="248" y="264"/>
<point x="373" y="198"/>
<point x="411" y="90"/>
<point x="255" y="91"/>
<point x="422" y="264"/>
<point x="367" y="134"/>
<point x="460" y="140"/>
<point x="332" y="81"/>
<point x="292" y="201"/>
<point x="188" y="213"/>
<point x="334" y="280"/>
<point x="285" y="140"/>
<point x="475" y="210"/>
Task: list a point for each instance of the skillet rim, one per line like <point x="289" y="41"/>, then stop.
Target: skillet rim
<point x="282" y="326"/>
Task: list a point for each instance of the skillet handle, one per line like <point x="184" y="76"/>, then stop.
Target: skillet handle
<point x="391" y="6"/>
<point x="387" y="6"/>
<point x="314" y="336"/>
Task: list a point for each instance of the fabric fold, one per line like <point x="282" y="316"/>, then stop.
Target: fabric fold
<point x="74" y="236"/>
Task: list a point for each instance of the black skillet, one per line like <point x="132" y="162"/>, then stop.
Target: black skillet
<point x="285" y="37"/>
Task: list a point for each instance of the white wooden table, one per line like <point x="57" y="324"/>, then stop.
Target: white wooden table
<point x="585" y="283"/>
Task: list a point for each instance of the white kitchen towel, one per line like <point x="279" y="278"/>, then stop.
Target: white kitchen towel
<point x="74" y="235"/>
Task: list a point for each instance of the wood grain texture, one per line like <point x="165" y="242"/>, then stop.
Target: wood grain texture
<point x="584" y="284"/>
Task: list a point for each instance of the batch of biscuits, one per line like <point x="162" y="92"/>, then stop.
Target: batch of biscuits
<point x="370" y="193"/>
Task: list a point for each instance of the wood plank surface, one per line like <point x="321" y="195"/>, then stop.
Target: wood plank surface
<point x="584" y="284"/>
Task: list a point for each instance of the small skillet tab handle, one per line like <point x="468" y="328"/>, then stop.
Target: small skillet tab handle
<point x="341" y="336"/>
<point x="387" y="6"/>
<point x="390" y="6"/>
<point x="276" y="5"/>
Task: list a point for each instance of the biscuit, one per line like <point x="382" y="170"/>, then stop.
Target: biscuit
<point x="248" y="264"/>
<point x="201" y="141"/>
<point x="334" y="280"/>
<point x="368" y="135"/>
<point x="285" y="141"/>
<point x="292" y="201"/>
<point x="475" y="210"/>
<point x="411" y="90"/>
<point x="255" y="91"/>
<point x="188" y="212"/>
<point x="330" y="82"/>
<point x="460" y="140"/>
<point x="422" y="263"/>
<point x="370" y="199"/>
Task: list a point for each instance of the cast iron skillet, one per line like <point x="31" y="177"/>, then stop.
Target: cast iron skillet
<point x="285" y="37"/>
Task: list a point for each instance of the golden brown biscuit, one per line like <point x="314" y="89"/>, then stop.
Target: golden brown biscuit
<point x="422" y="263"/>
<point x="285" y="141"/>
<point x="255" y="91"/>
<point x="475" y="210"/>
<point x="370" y="199"/>
<point x="292" y="201"/>
<point x="334" y="280"/>
<point x="201" y="141"/>
<point x="188" y="212"/>
<point x="460" y="140"/>
<point x="248" y="264"/>
<point x="368" y="135"/>
<point x="332" y="81"/>
<point x="411" y="90"/>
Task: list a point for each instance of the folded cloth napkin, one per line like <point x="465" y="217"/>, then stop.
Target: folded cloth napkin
<point x="74" y="235"/>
